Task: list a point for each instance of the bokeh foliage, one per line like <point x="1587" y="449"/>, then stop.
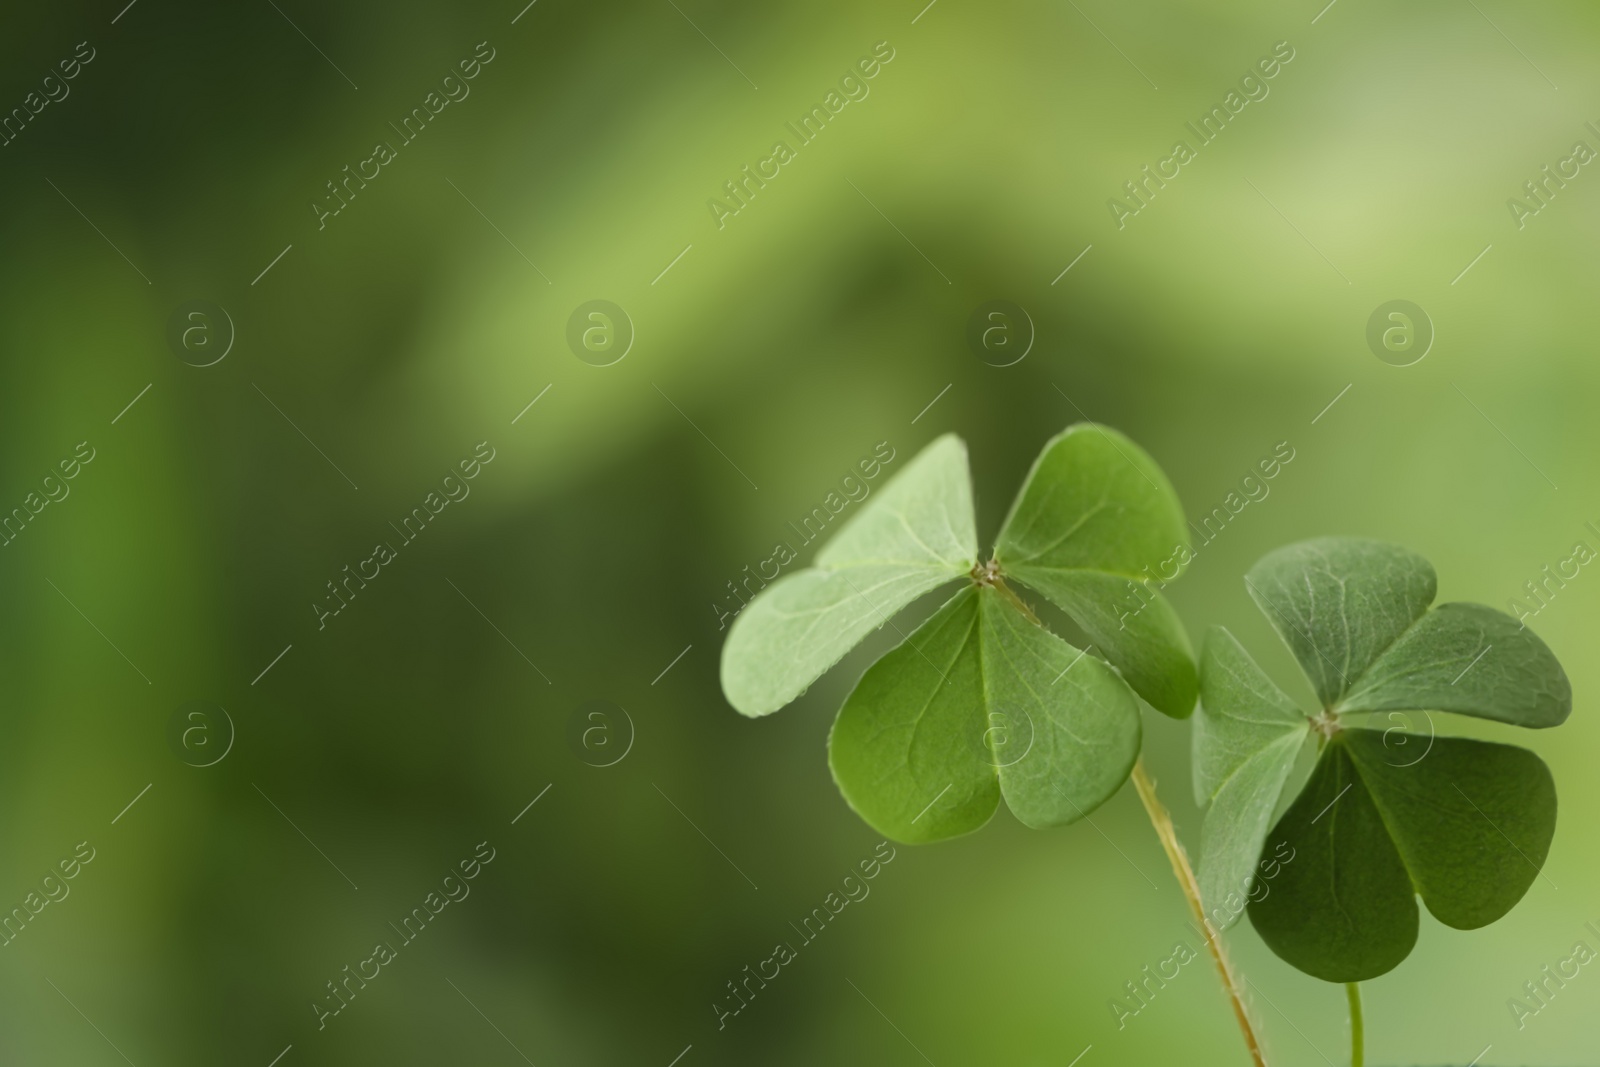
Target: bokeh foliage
<point x="1211" y="329"/>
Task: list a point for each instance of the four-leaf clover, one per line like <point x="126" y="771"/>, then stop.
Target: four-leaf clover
<point x="1387" y="814"/>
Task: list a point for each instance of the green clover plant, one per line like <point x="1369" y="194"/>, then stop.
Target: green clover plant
<point x="982" y="701"/>
<point x="1387" y="814"/>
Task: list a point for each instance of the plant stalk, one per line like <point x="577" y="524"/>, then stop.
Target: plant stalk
<point x="1161" y="819"/>
<point x="1358" y="1052"/>
<point x="1006" y="591"/>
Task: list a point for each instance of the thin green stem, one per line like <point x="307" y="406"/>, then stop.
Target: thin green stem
<point x="1021" y="605"/>
<point x="1161" y="819"/>
<point x="1358" y="1052"/>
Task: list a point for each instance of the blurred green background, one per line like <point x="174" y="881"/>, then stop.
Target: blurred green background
<point x="778" y="349"/>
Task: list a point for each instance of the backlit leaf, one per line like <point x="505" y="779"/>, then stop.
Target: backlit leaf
<point x="1241" y="712"/>
<point x="1235" y="830"/>
<point x="913" y="536"/>
<point x="1247" y="737"/>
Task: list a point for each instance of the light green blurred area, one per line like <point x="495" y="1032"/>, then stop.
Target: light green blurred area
<point x="818" y="321"/>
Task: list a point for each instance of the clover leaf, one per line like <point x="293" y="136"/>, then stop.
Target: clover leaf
<point x="917" y="534"/>
<point x="1097" y="529"/>
<point x="982" y="701"/>
<point x="1386" y="815"/>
